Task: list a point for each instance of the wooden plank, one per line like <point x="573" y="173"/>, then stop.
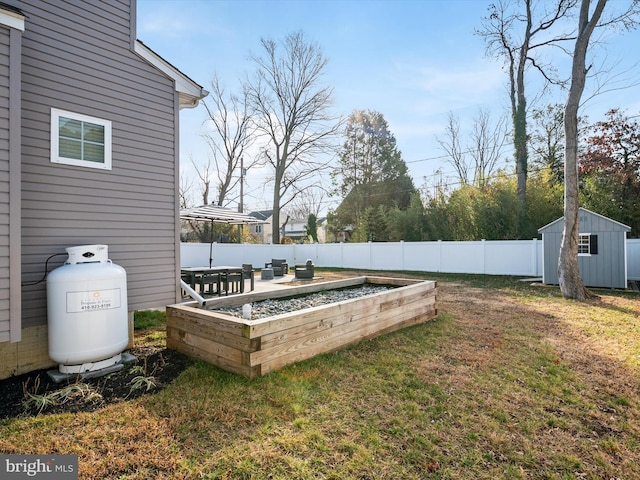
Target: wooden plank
<point x="213" y="333"/>
<point x="321" y="341"/>
<point x="332" y="317"/>
<point x="225" y="364"/>
<point x="200" y="312"/>
<point x="408" y="297"/>
<point x="378" y="320"/>
<point x="205" y="326"/>
<point x="423" y="317"/>
<point x="207" y="345"/>
<point x="277" y="323"/>
<point x="400" y="282"/>
<point x="219" y="320"/>
<point x="284" y="323"/>
<point x="256" y="347"/>
<point x="341" y="342"/>
<point x="225" y="327"/>
<point x="319" y="320"/>
<point x="223" y="330"/>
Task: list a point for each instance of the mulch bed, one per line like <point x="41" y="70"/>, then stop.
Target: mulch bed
<point x="162" y="365"/>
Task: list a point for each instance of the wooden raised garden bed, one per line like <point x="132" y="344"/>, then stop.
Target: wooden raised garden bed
<point x="257" y="347"/>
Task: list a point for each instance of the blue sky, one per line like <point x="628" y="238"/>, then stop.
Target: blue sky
<point x="412" y="60"/>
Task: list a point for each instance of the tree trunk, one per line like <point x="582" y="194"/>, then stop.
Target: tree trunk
<point x="571" y="284"/>
<point x="275" y="219"/>
<point x="520" y="137"/>
<point x="520" y="140"/>
<point x="280" y="167"/>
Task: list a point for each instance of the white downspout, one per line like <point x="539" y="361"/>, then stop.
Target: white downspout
<point x="192" y="293"/>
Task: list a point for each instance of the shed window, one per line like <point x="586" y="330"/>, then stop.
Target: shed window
<point x="80" y="140"/>
<point x="587" y="244"/>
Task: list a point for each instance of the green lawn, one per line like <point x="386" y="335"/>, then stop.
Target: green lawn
<point x="509" y="381"/>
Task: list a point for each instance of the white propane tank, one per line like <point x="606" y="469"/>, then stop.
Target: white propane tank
<point x="87" y="310"/>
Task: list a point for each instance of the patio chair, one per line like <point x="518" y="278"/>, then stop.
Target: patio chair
<point x="247" y="272"/>
<point x="305" y="270"/>
<point x="232" y="282"/>
<point x="280" y="267"/>
<point x="207" y="283"/>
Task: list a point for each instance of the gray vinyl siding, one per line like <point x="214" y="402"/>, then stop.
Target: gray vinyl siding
<point x="5" y="171"/>
<point x="550" y="253"/>
<point x="77" y="57"/>
<point x="10" y="156"/>
<point x="605" y="269"/>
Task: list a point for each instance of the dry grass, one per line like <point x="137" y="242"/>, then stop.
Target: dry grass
<point x="510" y="381"/>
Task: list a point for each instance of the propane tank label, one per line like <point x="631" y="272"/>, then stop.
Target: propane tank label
<point x="93" y="300"/>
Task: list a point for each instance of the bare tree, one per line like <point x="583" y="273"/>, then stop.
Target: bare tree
<point x="309" y="202"/>
<point x="229" y="137"/>
<point x="451" y="145"/>
<point x="547" y="138"/>
<point x="293" y="115"/>
<point x="487" y="142"/>
<point x="515" y="37"/>
<point x="569" y="277"/>
<point x="204" y="172"/>
<point x="184" y="191"/>
<point x="478" y="159"/>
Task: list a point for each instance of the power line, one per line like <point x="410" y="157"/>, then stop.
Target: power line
<point x="446" y="155"/>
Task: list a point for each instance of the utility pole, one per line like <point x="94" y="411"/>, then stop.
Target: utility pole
<point x="242" y="172"/>
<point x="241" y="204"/>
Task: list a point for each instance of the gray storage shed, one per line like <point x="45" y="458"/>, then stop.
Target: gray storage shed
<point x="602" y="251"/>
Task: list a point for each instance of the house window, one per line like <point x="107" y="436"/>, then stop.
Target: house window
<point x="80" y="140"/>
<point x="587" y="244"/>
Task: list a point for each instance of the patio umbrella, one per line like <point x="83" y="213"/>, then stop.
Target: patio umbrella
<point x="216" y="214"/>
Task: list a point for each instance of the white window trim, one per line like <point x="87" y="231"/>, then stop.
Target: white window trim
<point x="55" y="139"/>
<point x="588" y="235"/>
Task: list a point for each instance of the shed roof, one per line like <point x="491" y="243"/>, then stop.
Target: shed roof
<point x="621" y="226"/>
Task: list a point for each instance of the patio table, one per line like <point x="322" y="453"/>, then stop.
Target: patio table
<point x="193" y="274"/>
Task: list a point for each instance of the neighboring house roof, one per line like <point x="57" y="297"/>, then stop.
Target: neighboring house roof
<point x="621" y="226"/>
<point x="190" y="92"/>
<point x="262" y="214"/>
<point x="266" y="214"/>
<point x="297" y="221"/>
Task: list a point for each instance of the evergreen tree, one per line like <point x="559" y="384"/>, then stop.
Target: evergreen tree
<point x="311" y="228"/>
<point x="372" y="172"/>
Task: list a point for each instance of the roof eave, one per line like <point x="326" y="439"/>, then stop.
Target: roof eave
<point x="189" y="92"/>
<point x="11" y="16"/>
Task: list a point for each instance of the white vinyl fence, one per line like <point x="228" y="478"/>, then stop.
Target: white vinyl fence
<point x="494" y="257"/>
